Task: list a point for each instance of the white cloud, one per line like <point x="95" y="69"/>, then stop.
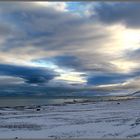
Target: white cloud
<point x="60" y="6"/>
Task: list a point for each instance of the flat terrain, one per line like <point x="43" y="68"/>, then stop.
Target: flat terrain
<point x="112" y="119"/>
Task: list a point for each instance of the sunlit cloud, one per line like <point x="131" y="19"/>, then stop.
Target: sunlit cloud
<point x="60" y="6"/>
<point x="72" y="77"/>
<point x="125" y="66"/>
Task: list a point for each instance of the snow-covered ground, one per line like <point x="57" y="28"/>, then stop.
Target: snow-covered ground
<point x="81" y="120"/>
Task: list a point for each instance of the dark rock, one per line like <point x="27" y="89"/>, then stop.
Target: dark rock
<point x="74" y="101"/>
<point x="38" y="109"/>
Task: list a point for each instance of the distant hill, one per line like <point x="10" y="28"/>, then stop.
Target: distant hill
<point x="136" y="94"/>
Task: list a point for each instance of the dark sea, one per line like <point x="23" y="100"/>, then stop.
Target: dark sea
<point x="28" y="101"/>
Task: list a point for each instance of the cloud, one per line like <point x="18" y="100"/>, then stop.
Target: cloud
<point x="107" y="79"/>
<point x="46" y="32"/>
<point x="30" y="75"/>
<point x="38" y="38"/>
<point x="117" y="12"/>
<point x="10" y="80"/>
<point x="63" y="61"/>
<point x="133" y="55"/>
<point x="60" y="6"/>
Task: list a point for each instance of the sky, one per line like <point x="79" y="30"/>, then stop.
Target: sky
<point x="78" y="46"/>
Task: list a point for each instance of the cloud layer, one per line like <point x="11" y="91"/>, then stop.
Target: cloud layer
<point x="64" y="44"/>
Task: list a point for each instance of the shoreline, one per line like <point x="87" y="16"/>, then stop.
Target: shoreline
<point x="75" y="101"/>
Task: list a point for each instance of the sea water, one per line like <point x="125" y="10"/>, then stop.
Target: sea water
<point x="27" y="101"/>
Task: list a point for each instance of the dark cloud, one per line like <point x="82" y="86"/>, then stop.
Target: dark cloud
<point x="133" y="55"/>
<point x="64" y="61"/>
<point x="80" y="62"/>
<point x="118" y="12"/>
<point x="5" y="30"/>
<point x="31" y="90"/>
<point x="107" y="79"/>
<point x="31" y="75"/>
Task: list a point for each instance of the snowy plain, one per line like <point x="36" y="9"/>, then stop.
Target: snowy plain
<point x="107" y="119"/>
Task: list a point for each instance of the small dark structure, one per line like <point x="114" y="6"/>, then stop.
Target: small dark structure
<point x="38" y="109"/>
<point x="74" y="101"/>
